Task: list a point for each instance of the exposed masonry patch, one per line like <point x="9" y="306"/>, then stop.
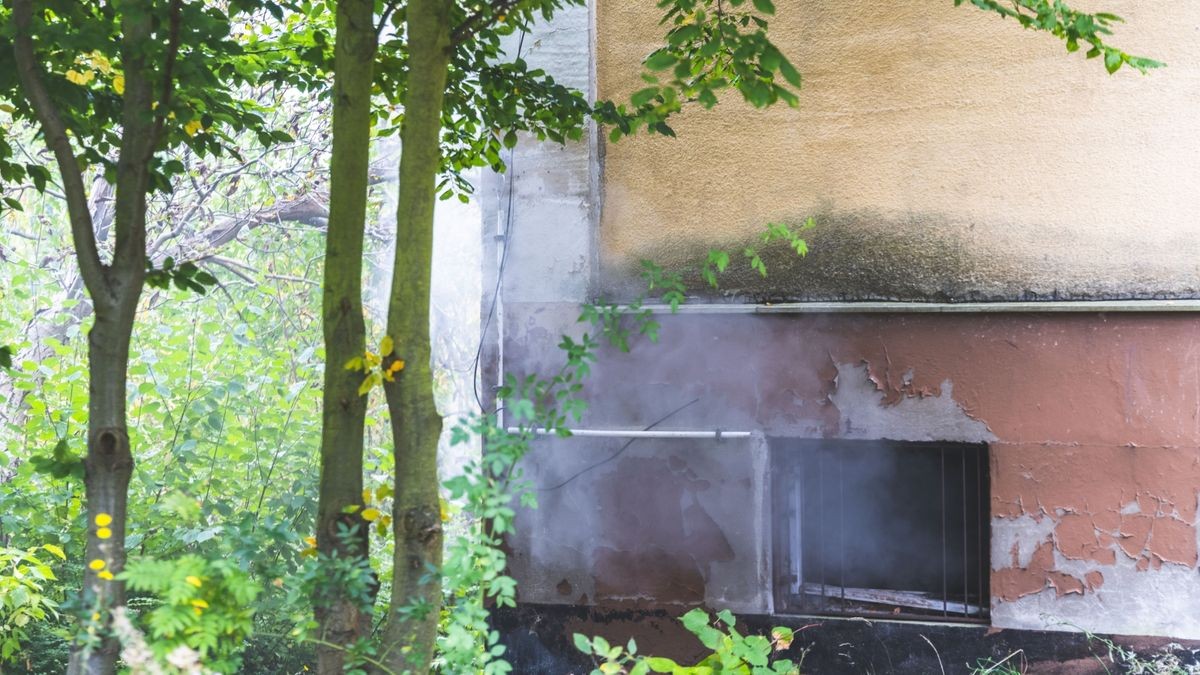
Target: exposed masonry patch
<point x="1014" y="540"/>
<point x="1127" y="601"/>
<point x="1130" y="569"/>
<point x="869" y="413"/>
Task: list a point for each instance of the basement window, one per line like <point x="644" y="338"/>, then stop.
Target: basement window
<point x="881" y="529"/>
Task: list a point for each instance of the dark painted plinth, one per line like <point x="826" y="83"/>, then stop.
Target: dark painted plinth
<point x="539" y="641"/>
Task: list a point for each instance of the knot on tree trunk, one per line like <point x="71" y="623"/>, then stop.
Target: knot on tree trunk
<point x="420" y="525"/>
<point x="110" y="449"/>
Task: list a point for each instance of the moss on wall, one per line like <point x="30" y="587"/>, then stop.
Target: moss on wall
<point x="865" y="256"/>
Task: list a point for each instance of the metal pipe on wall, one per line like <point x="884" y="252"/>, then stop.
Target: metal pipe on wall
<point x="716" y="434"/>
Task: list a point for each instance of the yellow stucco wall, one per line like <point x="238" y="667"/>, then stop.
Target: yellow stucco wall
<point x="945" y="153"/>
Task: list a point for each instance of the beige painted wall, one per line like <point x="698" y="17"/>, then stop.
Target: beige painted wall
<point x="946" y="154"/>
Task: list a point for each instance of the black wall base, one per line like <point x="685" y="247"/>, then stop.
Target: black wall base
<point x="539" y="640"/>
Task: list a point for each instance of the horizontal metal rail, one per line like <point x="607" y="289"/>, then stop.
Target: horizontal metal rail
<point x="716" y="434"/>
<point x="1048" y="307"/>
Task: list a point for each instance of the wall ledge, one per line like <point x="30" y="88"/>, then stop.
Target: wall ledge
<point x="1047" y="307"/>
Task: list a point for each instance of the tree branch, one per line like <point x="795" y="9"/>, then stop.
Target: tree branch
<point x="477" y="20"/>
<point x="164" y="99"/>
<point x="55" y="132"/>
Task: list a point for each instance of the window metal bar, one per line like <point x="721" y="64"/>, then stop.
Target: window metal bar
<point x="945" y="591"/>
<point x="842" y="518"/>
<point x="982" y="563"/>
<point x="821" y="512"/>
<point x="965" y="556"/>
<point x="796" y="546"/>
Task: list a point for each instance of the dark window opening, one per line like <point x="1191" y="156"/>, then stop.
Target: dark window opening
<point x="881" y="528"/>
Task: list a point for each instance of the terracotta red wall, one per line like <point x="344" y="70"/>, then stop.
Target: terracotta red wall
<point x="1093" y="421"/>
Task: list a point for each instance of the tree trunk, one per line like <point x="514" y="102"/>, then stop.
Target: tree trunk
<point x="409" y="637"/>
<point x="108" y="467"/>
<point x="115" y="290"/>
<point x="340" y="618"/>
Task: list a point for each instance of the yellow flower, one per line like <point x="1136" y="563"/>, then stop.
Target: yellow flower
<point x="119" y="84"/>
<point x="199" y="603"/>
<point x="103" y="519"/>
<point x="103" y="532"/>
<point x="97" y="564"/>
<point x="106" y="575"/>
<point x="77" y="77"/>
<point x="192" y="127"/>
<point x="370" y="514"/>
<point x="193" y="580"/>
<point x="311" y="541"/>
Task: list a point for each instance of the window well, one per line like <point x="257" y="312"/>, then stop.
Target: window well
<point x="881" y="528"/>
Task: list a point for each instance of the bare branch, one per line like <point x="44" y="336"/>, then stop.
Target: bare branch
<point x="55" y="132"/>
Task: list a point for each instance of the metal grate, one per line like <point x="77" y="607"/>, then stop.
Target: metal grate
<point x="881" y="528"/>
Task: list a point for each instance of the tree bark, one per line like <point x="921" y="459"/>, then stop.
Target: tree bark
<point x="416" y="522"/>
<point x="108" y="467"/>
<point x="340" y="619"/>
<point x="115" y="290"/>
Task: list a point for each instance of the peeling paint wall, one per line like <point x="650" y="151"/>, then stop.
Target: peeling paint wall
<point x="945" y="153"/>
<point x="1093" y="424"/>
<point x="1093" y="420"/>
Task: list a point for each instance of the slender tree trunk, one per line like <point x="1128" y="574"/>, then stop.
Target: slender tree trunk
<point x="108" y="467"/>
<point x="340" y="618"/>
<point x="417" y="525"/>
<point x="115" y="290"/>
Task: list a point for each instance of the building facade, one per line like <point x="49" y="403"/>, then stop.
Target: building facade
<point x="976" y="401"/>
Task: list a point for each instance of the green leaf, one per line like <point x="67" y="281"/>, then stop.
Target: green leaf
<point x="661" y="60"/>
<point x="1112" y="61"/>
<point x="764" y="6"/>
<point x="660" y="664"/>
<point x="58" y="552"/>
<point x="582" y="643"/>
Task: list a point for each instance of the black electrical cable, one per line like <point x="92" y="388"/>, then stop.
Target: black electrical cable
<point x="625" y="447"/>
<point x="508" y="232"/>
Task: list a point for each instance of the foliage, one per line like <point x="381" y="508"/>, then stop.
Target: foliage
<point x="85" y="77"/>
<point x="186" y="276"/>
<point x="26" y="594"/>
<point x="207" y="605"/>
<point x="1071" y="26"/>
<point x="732" y="652"/>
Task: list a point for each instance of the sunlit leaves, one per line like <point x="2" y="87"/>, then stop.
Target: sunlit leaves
<point x="26" y="595"/>
<point x="729" y="650"/>
<point x="1071" y="26"/>
<point x="78" y="48"/>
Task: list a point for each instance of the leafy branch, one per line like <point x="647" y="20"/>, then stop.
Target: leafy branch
<point x="1072" y="27"/>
